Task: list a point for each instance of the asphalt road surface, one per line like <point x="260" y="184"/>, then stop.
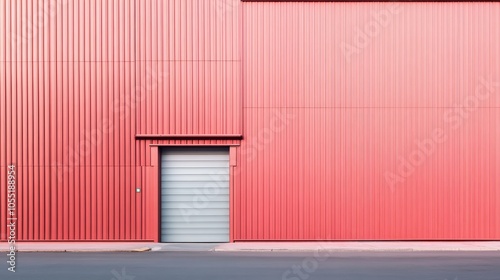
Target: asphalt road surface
<point x="261" y="266"/>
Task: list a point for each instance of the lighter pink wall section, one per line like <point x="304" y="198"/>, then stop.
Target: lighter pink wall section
<point x="323" y="128"/>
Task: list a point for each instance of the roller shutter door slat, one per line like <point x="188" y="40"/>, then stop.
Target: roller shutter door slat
<point x="194" y="237"/>
<point x="197" y="157"/>
<point x="198" y="170"/>
<point x="203" y="185"/>
<point x="188" y="198"/>
<point x="199" y="218"/>
<point x="188" y="164"/>
<point x="191" y="191"/>
<point x="207" y="178"/>
<point x="200" y="206"/>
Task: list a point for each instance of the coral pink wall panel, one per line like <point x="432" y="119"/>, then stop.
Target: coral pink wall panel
<point x="191" y="48"/>
<point x="79" y="79"/>
<point x="66" y="68"/>
<point x="359" y="120"/>
<point x="369" y="121"/>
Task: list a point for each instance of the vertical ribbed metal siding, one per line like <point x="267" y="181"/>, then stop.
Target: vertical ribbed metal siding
<point x="359" y="116"/>
<point x="321" y="174"/>
<point x="106" y="70"/>
<point x="64" y="64"/>
<point x="194" y="48"/>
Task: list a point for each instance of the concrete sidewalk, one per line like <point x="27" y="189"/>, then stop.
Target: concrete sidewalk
<point x="338" y="246"/>
<point x="352" y="246"/>
<point x="78" y="247"/>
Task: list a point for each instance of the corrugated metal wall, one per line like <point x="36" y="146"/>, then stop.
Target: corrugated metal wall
<point x="330" y="98"/>
<point x="79" y="79"/>
<point x="355" y="91"/>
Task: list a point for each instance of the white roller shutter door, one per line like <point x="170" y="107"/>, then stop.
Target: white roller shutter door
<point x="195" y="194"/>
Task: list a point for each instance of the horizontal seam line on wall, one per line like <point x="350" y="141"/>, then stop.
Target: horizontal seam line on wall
<point x="147" y="60"/>
<point x="291" y="107"/>
<point x="47" y="166"/>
